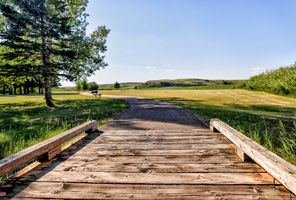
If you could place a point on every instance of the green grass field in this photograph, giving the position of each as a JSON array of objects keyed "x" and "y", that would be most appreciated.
[
  {"x": 26, "y": 120},
  {"x": 266, "y": 118}
]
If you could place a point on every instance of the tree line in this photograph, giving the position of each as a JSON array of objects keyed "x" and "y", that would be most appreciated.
[
  {"x": 44, "y": 41},
  {"x": 84, "y": 85}
]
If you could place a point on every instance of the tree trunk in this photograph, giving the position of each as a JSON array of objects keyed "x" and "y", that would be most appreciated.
[
  {"x": 20, "y": 90},
  {"x": 45, "y": 62},
  {"x": 14, "y": 89},
  {"x": 4, "y": 90},
  {"x": 32, "y": 90},
  {"x": 47, "y": 88},
  {"x": 10, "y": 91}
]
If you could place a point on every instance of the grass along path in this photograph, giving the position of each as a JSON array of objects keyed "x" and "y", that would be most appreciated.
[
  {"x": 26, "y": 120},
  {"x": 266, "y": 118}
]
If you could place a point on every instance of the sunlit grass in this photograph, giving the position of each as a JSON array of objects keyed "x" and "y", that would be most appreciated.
[{"x": 26, "y": 120}]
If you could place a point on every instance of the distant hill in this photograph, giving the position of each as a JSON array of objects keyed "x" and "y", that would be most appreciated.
[
  {"x": 171, "y": 83},
  {"x": 186, "y": 83},
  {"x": 125, "y": 85}
]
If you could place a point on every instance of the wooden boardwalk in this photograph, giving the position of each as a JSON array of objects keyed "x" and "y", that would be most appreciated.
[{"x": 152, "y": 151}]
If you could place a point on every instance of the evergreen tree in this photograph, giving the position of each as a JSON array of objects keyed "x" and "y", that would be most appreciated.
[
  {"x": 116, "y": 85},
  {"x": 47, "y": 38}
]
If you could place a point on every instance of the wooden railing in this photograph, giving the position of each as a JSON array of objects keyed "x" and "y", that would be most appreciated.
[
  {"x": 281, "y": 170},
  {"x": 45, "y": 150}
]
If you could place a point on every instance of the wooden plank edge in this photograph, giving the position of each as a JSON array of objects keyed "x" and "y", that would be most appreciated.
[
  {"x": 12, "y": 162},
  {"x": 76, "y": 142},
  {"x": 280, "y": 169}
]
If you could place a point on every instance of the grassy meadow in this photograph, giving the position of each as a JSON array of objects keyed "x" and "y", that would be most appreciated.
[
  {"x": 26, "y": 120},
  {"x": 266, "y": 118}
]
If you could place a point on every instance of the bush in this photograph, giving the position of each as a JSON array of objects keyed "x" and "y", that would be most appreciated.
[
  {"x": 93, "y": 86},
  {"x": 281, "y": 81}
]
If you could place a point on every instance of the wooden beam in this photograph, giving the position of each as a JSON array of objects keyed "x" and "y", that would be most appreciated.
[
  {"x": 12, "y": 162},
  {"x": 50, "y": 155},
  {"x": 277, "y": 167}
]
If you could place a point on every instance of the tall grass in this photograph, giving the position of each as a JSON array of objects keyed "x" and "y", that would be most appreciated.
[{"x": 281, "y": 140}]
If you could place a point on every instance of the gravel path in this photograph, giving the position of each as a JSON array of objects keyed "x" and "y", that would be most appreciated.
[{"x": 147, "y": 114}]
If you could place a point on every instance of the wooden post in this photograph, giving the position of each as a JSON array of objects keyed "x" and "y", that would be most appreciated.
[
  {"x": 242, "y": 155},
  {"x": 92, "y": 130},
  {"x": 212, "y": 127},
  {"x": 238, "y": 151},
  {"x": 50, "y": 155}
]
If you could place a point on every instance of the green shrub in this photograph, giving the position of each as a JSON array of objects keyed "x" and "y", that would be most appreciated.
[{"x": 281, "y": 81}]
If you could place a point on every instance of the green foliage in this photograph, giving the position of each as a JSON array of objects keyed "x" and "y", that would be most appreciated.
[
  {"x": 281, "y": 81},
  {"x": 78, "y": 85},
  {"x": 84, "y": 85},
  {"x": 46, "y": 39},
  {"x": 93, "y": 86},
  {"x": 116, "y": 85}
]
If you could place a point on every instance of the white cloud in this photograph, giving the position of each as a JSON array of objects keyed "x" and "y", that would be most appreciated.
[
  {"x": 150, "y": 67},
  {"x": 170, "y": 70},
  {"x": 257, "y": 70}
]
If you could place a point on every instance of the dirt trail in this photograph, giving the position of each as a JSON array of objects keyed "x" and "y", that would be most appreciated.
[{"x": 147, "y": 114}]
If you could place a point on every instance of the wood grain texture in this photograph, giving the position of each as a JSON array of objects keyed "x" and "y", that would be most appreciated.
[
  {"x": 156, "y": 178},
  {"x": 122, "y": 191},
  {"x": 280, "y": 169}
]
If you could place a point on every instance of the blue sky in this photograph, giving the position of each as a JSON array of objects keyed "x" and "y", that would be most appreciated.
[{"x": 212, "y": 39}]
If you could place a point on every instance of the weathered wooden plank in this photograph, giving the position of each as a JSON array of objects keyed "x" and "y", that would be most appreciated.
[
  {"x": 12, "y": 162},
  {"x": 156, "y": 167},
  {"x": 149, "y": 134},
  {"x": 154, "y": 159},
  {"x": 157, "y": 178},
  {"x": 146, "y": 146},
  {"x": 135, "y": 152},
  {"x": 120, "y": 191},
  {"x": 164, "y": 141},
  {"x": 158, "y": 137},
  {"x": 280, "y": 169}
]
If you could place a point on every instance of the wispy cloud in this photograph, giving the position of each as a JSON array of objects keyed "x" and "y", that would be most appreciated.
[
  {"x": 170, "y": 70},
  {"x": 150, "y": 67}
]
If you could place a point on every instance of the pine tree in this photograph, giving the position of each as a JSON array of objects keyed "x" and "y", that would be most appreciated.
[
  {"x": 47, "y": 38},
  {"x": 116, "y": 85}
]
